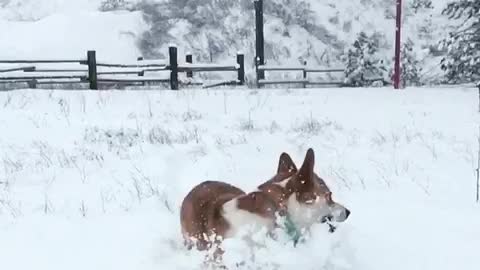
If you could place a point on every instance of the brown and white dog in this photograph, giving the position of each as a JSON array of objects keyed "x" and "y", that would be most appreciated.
[{"x": 214, "y": 210}]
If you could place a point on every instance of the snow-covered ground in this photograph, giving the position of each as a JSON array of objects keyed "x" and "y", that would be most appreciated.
[{"x": 94, "y": 180}]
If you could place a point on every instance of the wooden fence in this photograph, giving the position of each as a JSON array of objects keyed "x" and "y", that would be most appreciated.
[
  {"x": 95, "y": 73},
  {"x": 304, "y": 81}
]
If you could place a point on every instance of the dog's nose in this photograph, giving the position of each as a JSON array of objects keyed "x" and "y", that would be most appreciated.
[{"x": 347, "y": 213}]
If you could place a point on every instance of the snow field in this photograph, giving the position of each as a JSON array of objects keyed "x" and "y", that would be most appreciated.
[{"x": 94, "y": 180}]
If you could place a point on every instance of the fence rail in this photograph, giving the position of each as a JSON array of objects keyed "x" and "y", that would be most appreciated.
[
  {"x": 304, "y": 81},
  {"x": 99, "y": 73},
  {"x": 35, "y": 69},
  {"x": 38, "y": 61},
  {"x": 26, "y": 69},
  {"x": 261, "y": 69},
  {"x": 42, "y": 77}
]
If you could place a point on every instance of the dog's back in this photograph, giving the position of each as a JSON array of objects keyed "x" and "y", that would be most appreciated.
[{"x": 200, "y": 214}]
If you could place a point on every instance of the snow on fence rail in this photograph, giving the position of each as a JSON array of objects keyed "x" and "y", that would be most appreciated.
[
  {"x": 305, "y": 69},
  {"x": 260, "y": 71},
  {"x": 17, "y": 69},
  {"x": 93, "y": 73},
  {"x": 23, "y": 73}
]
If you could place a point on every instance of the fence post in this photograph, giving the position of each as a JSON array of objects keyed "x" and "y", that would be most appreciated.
[
  {"x": 241, "y": 68},
  {"x": 142, "y": 72},
  {"x": 257, "y": 79},
  {"x": 92, "y": 69},
  {"x": 259, "y": 38},
  {"x": 305, "y": 74},
  {"x": 189, "y": 59},
  {"x": 172, "y": 54},
  {"x": 32, "y": 84}
]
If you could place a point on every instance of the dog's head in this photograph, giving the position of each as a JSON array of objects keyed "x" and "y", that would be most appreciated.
[{"x": 306, "y": 195}]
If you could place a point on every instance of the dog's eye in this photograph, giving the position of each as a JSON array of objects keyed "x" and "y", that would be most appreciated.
[{"x": 328, "y": 196}]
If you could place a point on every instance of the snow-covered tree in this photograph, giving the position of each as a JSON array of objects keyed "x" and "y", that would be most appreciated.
[
  {"x": 417, "y": 12},
  {"x": 363, "y": 61},
  {"x": 204, "y": 24},
  {"x": 418, "y": 5},
  {"x": 109, "y": 5},
  {"x": 291, "y": 12},
  {"x": 216, "y": 28},
  {"x": 462, "y": 62},
  {"x": 410, "y": 65}
]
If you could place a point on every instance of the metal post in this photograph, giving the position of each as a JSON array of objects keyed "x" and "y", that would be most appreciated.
[
  {"x": 478, "y": 169},
  {"x": 398, "y": 31},
  {"x": 478, "y": 153}
]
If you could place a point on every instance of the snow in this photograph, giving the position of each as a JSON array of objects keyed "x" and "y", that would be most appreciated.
[
  {"x": 33, "y": 10},
  {"x": 70, "y": 34},
  {"x": 95, "y": 179}
]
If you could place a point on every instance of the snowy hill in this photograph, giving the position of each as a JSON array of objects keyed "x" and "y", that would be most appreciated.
[
  {"x": 94, "y": 180},
  {"x": 320, "y": 32},
  {"x": 42, "y": 29}
]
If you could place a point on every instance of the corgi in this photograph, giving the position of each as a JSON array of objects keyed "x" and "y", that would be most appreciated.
[{"x": 215, "y": 210}]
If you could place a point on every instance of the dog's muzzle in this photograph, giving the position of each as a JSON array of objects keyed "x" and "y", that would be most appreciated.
[{"x": 328, "y": 219}]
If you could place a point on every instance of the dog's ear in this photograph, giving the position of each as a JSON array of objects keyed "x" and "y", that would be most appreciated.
[
  {"x": 285, "y": 164},
  {"x": 306, "y": 171}
]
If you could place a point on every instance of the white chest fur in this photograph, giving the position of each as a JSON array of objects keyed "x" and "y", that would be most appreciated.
[{"x": 242, "y": 221}]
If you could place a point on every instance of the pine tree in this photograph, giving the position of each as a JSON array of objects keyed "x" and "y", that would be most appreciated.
[
  {"x": 410, "y": 65},
  {"x": 462, "y": 62},
  {"x": 363, "y": 63},
  {"x": 418, "y": 5}
]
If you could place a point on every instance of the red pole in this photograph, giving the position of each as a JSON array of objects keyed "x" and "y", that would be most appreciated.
[{"x": 398, "y": 31}]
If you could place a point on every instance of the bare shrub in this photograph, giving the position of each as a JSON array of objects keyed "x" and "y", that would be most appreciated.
[
  {"x": 247, "y": 125},
  {"x": 188, "y": 135},
  {"x": 191, "y": 116},
  {"x": 274, "y": 127},
  {"x": 115, "y": 139},
  {"x": 158, "y": 135},
  {"x": 312, "y": 126}
]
